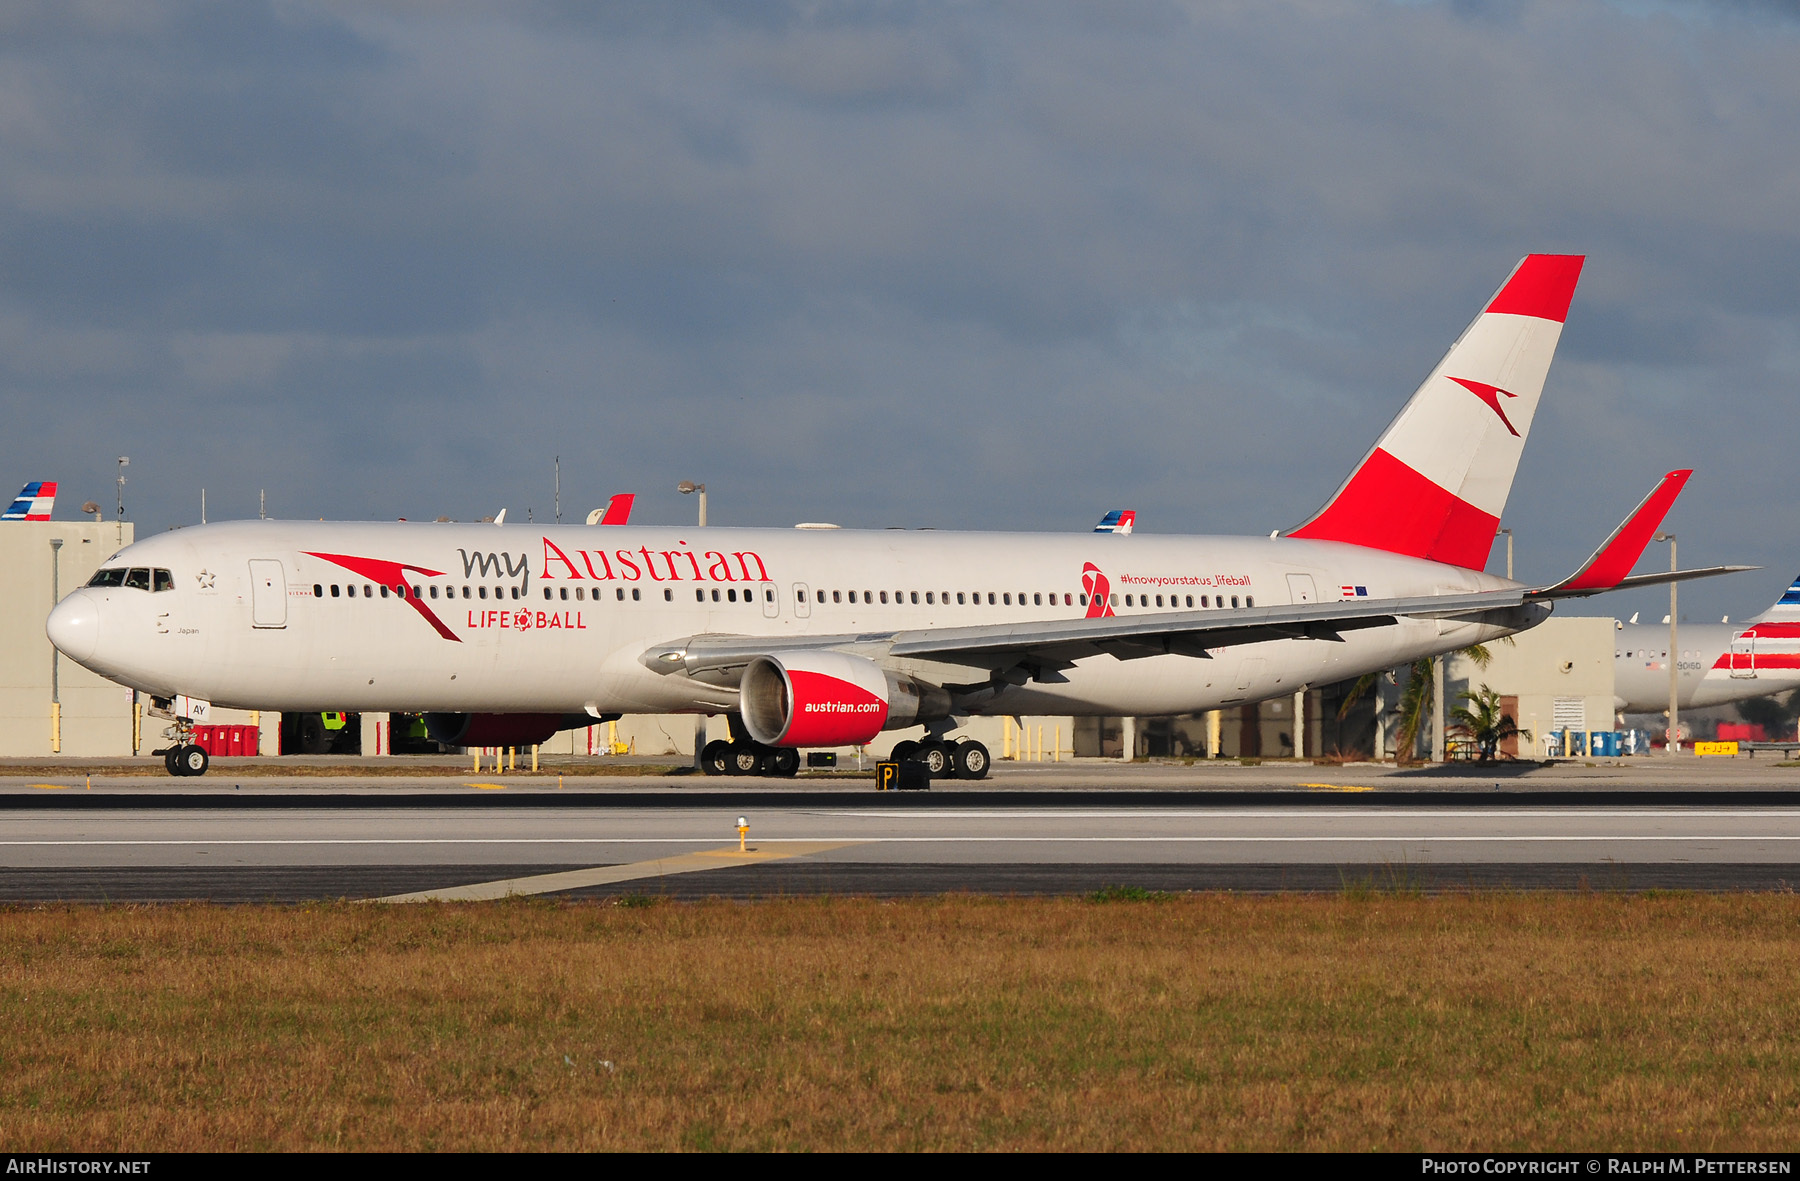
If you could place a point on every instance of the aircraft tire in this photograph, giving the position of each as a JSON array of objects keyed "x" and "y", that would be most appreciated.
[
  {"x": 971, "y": 759},
  {"x": 939, "y": 759},
  {"x": 169, "y": 760},
  {"x": 782, "y": 763},
  {"x": 743, "y": 758},
  {"x": 715, "y": 757},
  {"x": 903, "y": 751},
  {"x": 192, "y": 760}
]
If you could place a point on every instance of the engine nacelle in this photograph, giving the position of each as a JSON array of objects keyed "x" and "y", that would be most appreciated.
[
  {"x": 830, "y": 699},
  {"x": 494, "y": 729}
]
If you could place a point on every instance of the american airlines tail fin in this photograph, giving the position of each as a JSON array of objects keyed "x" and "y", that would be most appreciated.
[
  {"x": 1435, "y": 483},
  {"x": 1120, "y": 520},
  {"x": 34, "y": 502},
  {"x": 1786, "y": 608}
]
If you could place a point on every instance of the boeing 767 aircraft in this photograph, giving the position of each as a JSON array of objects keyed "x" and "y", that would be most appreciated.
[{"x": 504, "y": 634}]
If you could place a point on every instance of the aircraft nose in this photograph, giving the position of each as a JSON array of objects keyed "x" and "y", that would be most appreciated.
[{"x": 74, "y": 626}]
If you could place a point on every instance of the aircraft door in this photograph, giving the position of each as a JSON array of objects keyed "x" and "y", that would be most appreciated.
[
  {"x": 1301, "y": 589},
  {"x": 802, "y": 600},
  {"x": 268, "y": 593},
  {"x": 771, "y": 601},
  {"x": 1743, "y": 657}
]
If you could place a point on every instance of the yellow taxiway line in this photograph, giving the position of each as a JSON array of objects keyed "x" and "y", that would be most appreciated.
[{"x": 606, "y": 875}]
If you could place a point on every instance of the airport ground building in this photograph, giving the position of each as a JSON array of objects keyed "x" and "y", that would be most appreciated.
[{"x": 1556, "y": 677}]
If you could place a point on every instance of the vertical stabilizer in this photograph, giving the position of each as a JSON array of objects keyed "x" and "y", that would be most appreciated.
[
  {"x": 1437, "y": 480},
  {"x": 34, "y": 502},
  {"x": 1786, "y": 608}
]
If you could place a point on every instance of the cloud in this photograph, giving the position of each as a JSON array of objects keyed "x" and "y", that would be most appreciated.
[{"x": 912, "y": 264}]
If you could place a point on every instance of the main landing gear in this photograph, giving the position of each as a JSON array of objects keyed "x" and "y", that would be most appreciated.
[
  {"x": 744, "y": 757},
  {"x": 965, "y": 759},
  {"x": 186, "y": 759}
]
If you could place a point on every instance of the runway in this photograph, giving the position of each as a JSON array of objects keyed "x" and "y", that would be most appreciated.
[{"x": 319, "y": 847}]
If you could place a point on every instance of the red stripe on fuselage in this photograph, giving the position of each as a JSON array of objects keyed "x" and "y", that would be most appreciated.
[{"x": 1388, "y": 506}]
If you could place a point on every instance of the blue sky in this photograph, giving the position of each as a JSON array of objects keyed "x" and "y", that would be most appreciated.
[{"x": 997, "y": 266}]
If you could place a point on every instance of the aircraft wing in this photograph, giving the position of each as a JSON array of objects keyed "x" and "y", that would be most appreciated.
[
  {"x": 1036, "y": 650},
  {"x": 1039, "y": 648}
]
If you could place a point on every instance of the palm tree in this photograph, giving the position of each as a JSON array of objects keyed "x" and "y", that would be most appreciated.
[
  {"x": 1482, "y": 721},
  {"x": 1415, "y": 700}
]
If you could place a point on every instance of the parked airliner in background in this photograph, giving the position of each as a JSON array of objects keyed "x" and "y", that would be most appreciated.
[
  {"x": 502, "y": 635},
  {"x": 1718, "y": 662},
  {"x": 34, "y": 502}
]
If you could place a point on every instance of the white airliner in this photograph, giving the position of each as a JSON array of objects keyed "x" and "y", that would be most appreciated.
[
  {"x": 504, "y": 634},
  {"x": 1718, "y": 662}
]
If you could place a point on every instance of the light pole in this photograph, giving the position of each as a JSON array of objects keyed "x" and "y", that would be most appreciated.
[
  {"x": 1674, "y": 742},
  {"x": 1508, "y": 533},
  {"x": 124, "y": 462},
  {"x": 56, "y": 544},
  {"x": 687, "y": 486}
]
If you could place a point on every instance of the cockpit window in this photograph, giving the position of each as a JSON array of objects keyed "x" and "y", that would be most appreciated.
[
  {"x": 162, "y": 580},
  {"x": 137, "y": 578},
  {"x": 114, "y": 577}
]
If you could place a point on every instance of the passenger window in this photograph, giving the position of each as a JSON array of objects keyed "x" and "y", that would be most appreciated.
[
  {"x": 769, "y": 594},
  {"x": 1069, "y": 599},
  {"x": 884, "y": 597},
  {"x": 1083, "y": 599},
  {"x": 481, "y": 592},
  {"x": 836, "y": 596},
  {"x": 334, "y": 590},
  {"x": 931, "y": 597},
  {"x": 868, "y": 596},
  {"x": 635, "y": 595},
  {"x": 137, "y": 578},
  {"x": 384, "y": 590},
  {"x": 731, "y": 595},
  {"x": 699, "y": 594},
  {"x": 1249, "y": 600},
  {"x": 1190, "y": 600},
  {"x": 418, "y": 591},
  {"x": 1115, "y": 600},
  {"x": 959, "y": 597},
  {"x": 619, "y": 593},
  {"x": 1037, "y": 600},
  {"x": 581, "y": 594},
  {"x": 1159, "y": 600},
  {"x": 1234, "y": 600},
  {"x": 990, "y": 598},
  {"x": 915, "y": 598},
  {"x": 800, "y": 596},
  {"x": 164, "y": 581},
  {"x": 1008, "y": 598},
  {"x": 668, "y": 595}
]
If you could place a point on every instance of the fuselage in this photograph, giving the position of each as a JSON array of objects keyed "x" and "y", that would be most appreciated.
[
  {"x": 1715, "y": 663},
  {"x": 520, "y": 618}
]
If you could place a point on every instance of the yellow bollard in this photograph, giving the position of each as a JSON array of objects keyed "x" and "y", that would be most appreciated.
[
  {"x": 1056, "y": 756},
  {"x": 534, "y": 758},
  {"x": 512, "y": 758},
  {"x": 1040, "y": 748},
  {"x": 477, "y": 753},
  {"x": 56, "y": 727},
  {"x": 743, "y": 832}
]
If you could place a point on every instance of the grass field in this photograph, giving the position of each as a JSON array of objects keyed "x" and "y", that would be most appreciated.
[{"x": 1205, "y": 1021}]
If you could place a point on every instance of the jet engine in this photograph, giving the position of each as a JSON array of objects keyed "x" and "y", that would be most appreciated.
[
  {"x": 498, "y": 729},
  {"x": 831, "y": 699}
]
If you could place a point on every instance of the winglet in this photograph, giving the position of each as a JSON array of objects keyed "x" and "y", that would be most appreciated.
[{"x": 1613, "y": 561}]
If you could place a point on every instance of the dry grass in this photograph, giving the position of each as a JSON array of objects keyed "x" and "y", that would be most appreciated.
[{"x": 1378, "y": 1021}]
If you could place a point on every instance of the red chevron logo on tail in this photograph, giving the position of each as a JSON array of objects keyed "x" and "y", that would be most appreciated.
[{"x": 1491, "y": 395}]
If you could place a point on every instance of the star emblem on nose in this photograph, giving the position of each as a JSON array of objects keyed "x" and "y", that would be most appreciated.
[{"x": 205, "y": 579}]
